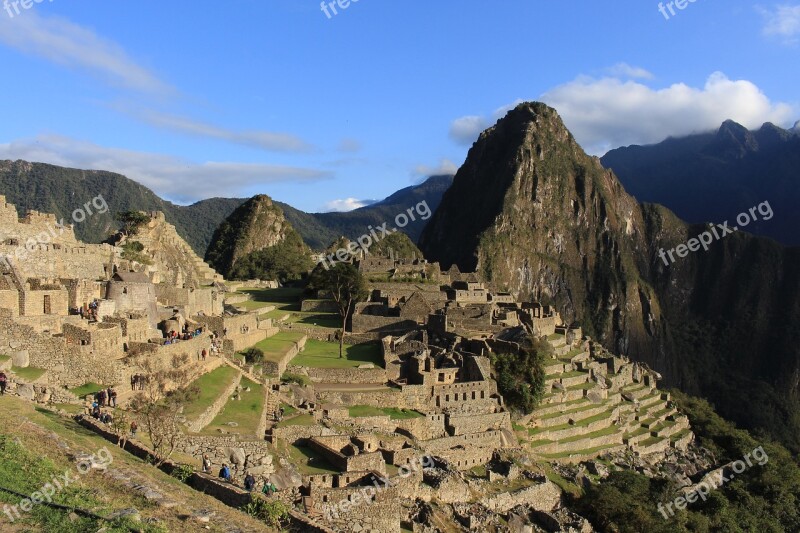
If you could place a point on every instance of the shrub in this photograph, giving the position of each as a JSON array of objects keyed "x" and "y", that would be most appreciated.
[
  {"x": 520, "y": 378},
  {"x": 274, "y": 513},
  {"x": 182, "y": 473},
  {"x": 253, "y": 356}
]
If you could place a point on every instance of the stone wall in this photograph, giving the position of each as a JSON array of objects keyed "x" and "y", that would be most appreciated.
[
  {"x": 462, "y": 425},
  {"x": 545, "y": 496},
  {"x": 319, "y": 306},
  {"x": 255, "y": 455},
  {"x": 66, "y": 365},
  {"x": 371, "y": 376},
  {"x": 213, "y": 410},
  {"x": 384, "y": 325}
]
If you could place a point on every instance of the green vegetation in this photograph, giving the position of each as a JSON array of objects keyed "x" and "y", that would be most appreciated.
[
  {"x": 30, "y": 373},
  {"x": 295, "y": 378},
  {"x": 346, "y": 285},
  {"x": 26, "y": 472},
  {"x": 308, "y": 461},
  {"x": 245, "y": 412},
  {"x": 301, "y": 420},
  {"x": 521, "y": 378},
  {"x": 132, "y": 251},
  {"x": 272, "y": 512},
  {"x": 210, "y": 387},
  {"x": 4, "y": 358},
  {"x": 319, "y": 354},
  {"x": 131, "y": 221},
  {"x": 182, "y": 473},
  {"x": 763, "y": 498},
  {"x": 87, "y": 388},
  {"x": 288, "y": 261},
  {"x": 398, "y": 243},
  {"x": 276, "y": 347},
  {"x": 237, "y": 248},
  {"x": 358, "y": 411}
]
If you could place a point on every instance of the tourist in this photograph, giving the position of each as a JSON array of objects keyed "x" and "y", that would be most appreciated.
[
  {"x": 113, "y": 395},
  {"x": 134, "y": 379},
  {"x": 108, "y": 396},
  {"x": 134, "y": 428},
  {"x": 206, "y": 464},
  {"x": 268, "y": 489},
  {"x": 101, "y": 398},
  {"x": 249, "y": 482},
  {"x": 204, "y": 353},
  {"x": 3, "y": 383},
  {"x": 225, "y": 473}
]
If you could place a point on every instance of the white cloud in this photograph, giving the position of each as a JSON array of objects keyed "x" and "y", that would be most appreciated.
[
  {"x": 607, "y": 113},
  {"x": 264, "y": 140},
  {"x": 67, "y": 44},
  {"x": 177, "y": 179},
  {"x": 445, "y": 166},
  {"x": 624, "y": 70},
  {"x": 465, "y": 130},
  {"x": 783, "y": 21},
  {"x": 347, "y": 204}
]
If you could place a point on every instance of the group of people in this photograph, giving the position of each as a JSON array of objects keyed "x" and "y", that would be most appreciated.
[
  {"x": 277, "y": 415},
  {"x": 88, "y": 312},
  {"x": 187, "y": 334},
  {"x": 268, "y": 488},
  {"x": 138, "y": 381},
  {"x": 106, "y": 397}
]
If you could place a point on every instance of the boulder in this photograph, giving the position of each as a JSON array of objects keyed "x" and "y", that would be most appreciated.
[
  {"x": 25, "y": 391},
  {"x": 236, "y": 456}
]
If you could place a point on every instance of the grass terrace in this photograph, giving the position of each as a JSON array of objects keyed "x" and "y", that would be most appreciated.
[
  {"x": 319, "y": 354},
  {"x": 30, "y": 373},
  {"x": 278, "y": 345},
  {"x": 87, "y": 388},
  {"x": 359, "y": 411},
  {"x": 309, "y": 462},
  {"x": 301, "y": 420},
  {"x": 211, "y": 387},
  {"x": 245, "y": 413}
]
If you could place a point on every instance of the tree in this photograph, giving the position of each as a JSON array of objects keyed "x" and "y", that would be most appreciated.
[
  {"x": 521, "y": 377},
  {"x": 347, "y": 287},
  {"x": 158, "y": 407},
  {"x": 131, "y": 220}
]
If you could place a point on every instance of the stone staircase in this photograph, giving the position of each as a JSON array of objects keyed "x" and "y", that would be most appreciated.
[{"x": 589, "y": 410}]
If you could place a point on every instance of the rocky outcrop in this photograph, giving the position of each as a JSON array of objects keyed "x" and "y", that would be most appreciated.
[{"x": 540, "y": 218}]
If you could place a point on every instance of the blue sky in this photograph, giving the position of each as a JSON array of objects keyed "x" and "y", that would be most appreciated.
[{"x": 198, "y": 99}]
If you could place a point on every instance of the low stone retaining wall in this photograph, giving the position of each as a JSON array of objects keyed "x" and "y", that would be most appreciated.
[
  {"x": 277, "y": 368},
  {"x": 319, "y": 306},
  {"x": 366, "y": 376},
  {"x": 543, "y": 497},
  {"x": 224, "y": 492},
  {"x": 294, "y": 434},
  {"x": 209, "y": 414}
]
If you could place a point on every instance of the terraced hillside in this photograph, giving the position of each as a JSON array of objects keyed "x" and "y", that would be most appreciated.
[{"x": 597, "y": 403}]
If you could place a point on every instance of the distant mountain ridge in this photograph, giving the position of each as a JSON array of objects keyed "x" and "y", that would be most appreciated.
[
  {"x": 60, "y": 190},
  {"x": 712, "y": 177}
]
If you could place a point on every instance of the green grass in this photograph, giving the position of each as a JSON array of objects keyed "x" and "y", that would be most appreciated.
[
  {"x": 302, "y": 420},
  {"x": 288, "y": 410},
  {"x": 30, "y": 373},
  {"x": 211, "y": 386},
  {"x": 277, "y": 346},
  {"x": 4, "y": 358},
  {"x": 570, "y": 412},
  {"x": 284, "y": 298},
  {"x": 599, "y": 433},
  {"x": 245, "y": 412},
  {"x": 319, "y": 354},
  {"x": 588, "y": 451},
  {"x": 563, "y": 484},
  {"x": 309, "y": 462},
  {"x": 358, "y": 411},
  {"x": 87, "y": 388}
]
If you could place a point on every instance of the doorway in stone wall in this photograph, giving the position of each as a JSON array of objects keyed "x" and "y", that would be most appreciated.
[{"x": 47, "y": 305}]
